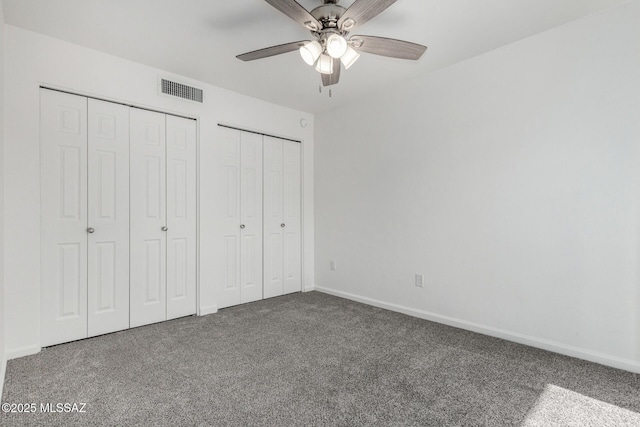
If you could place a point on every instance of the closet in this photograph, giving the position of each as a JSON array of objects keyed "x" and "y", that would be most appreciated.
[
  {"x": 258, "y": 236},
  {"x": 118, "y": 217}
]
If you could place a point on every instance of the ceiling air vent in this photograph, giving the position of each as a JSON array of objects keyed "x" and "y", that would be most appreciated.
[{"x": 181, "y": 90}]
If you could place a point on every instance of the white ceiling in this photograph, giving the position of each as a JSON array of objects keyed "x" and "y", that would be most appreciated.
[{"x": 200, "y": 38}]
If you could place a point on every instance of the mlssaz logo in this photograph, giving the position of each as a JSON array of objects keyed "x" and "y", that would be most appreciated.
[{"x": 63, "y": 407}]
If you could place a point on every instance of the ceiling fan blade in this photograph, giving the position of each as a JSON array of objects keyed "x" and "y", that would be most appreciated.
[
  {"x": 271, "y": 51},
  {"x": 295, "y": 11},
  {"x": 333, "y": 78},
  {"x": 388, "y": 47},
  {"x": 362, "y": 11}
]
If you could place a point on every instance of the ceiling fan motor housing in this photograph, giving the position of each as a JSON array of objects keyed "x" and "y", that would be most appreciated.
[{"x": 328, "y": 14}]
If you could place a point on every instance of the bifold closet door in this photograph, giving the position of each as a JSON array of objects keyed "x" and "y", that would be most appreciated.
[
  {"x": 250, "y": 217},
  {"x": 108, "y": 217},
  {"x": 240, "y": 202},
  {"x": 118, "y": 209},
  {"x": 282, "y": 222},
  {"x": 148, "y": 222},
  {"x": 273, "y": 218},
  {"x": 163, "y": 217},
  {"x": 292, "y": 213},
  {"x": 85, "y": 217},
  {"x": 181, "y": 217},
  {"x": 63, "y": 135}
]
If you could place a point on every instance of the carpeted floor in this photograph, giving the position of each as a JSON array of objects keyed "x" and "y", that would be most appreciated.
[{"x": 314, "y": 359}]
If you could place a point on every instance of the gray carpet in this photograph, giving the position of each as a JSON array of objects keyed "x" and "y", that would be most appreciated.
[{"x": 313, "y": 359}]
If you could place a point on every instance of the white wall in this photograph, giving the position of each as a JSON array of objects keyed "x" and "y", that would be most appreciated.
[
  {"x": 2, "y": 321},
  {"x": 511, "y": 181},
  {"x": 33, "y": 60}
]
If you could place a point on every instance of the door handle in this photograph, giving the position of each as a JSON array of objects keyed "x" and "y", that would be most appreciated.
[
  {"x": 242, "y": 226},
  {"x": 282, "y": 225},
  {"x": 165, "y": 228},
  {"x": 90, "y": 230}
]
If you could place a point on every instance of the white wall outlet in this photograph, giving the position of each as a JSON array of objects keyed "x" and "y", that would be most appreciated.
[
  {"x": 419, "y": 280},
  {"x": 332, "y": 265}
]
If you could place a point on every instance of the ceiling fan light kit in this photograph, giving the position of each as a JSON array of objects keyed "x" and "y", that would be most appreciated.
[
  {"x": 349, "y": 58},
  {"x": 330, "y": 25},
  {"x": 325, "y": 65},
  {"x": 336, "y": 46},
  {"x": 310, "y": 52}
]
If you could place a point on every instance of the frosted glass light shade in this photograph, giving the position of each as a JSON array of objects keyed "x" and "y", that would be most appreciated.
[
  {"x": 336, "y": 46},
  {"x": 349, "y": 58},
  {"x": 310, "y": 52},
  {"x": 325, "y": 65}
]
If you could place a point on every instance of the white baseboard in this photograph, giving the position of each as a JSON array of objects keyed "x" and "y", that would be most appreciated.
[
  {"x": 309, "y": 288},
  {"x": 212, "y": 309},
  {"x": 21, "y": 352},
  {"x": 556, "y": 347}
]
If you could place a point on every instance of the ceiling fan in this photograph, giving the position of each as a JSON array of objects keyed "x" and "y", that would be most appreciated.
[{"x": 330, "y": 25}]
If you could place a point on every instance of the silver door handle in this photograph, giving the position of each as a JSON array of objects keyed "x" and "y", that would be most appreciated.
[
  {"x": 242, "y": 226},
  {"x": 165, "y": 228},
  {"x": 90, "y": 230},
  {"x": 282, "y": 225}
]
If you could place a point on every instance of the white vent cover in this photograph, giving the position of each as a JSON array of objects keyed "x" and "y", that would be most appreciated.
[{"x": 181, "y": 90}]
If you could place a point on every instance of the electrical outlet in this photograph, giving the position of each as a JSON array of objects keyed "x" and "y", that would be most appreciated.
[
  {"x": 420, "y": 280},
  {"x": 332, "y": 265}
]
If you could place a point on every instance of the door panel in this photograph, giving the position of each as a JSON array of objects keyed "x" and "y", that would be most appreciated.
[
  {"x": 181, "y": 217},
  {"x": 232, "y": 264},
  {"x": 251, "y": 217},
  {"x": 179, "y": 261},
  {"x": 148, "y": 217},
  {"x": 292, "y": 205},
  {"x": 108, "y": 215},
  {"x": 227, "y": 260},
  {"x": 71, "y": 281},
  {"x": 273, "y": 231},
  {"x": 106, "y": 283},
  {"x": 63, "y": 134},
  {"x": 153, "y": 265}
]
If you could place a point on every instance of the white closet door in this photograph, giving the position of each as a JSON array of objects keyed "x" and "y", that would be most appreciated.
[
  {"x": 292, "y": 218},
  {"x": 108, "y": 217},
  {"x": 273, "y": 217},
  {"x": 148, "y": 217},
  {"x": 227, "y": 258},
  {"x": 63, "y": 135},
  {"x": 250, "y": 217},
  {"x": 181, "y": 217}
]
